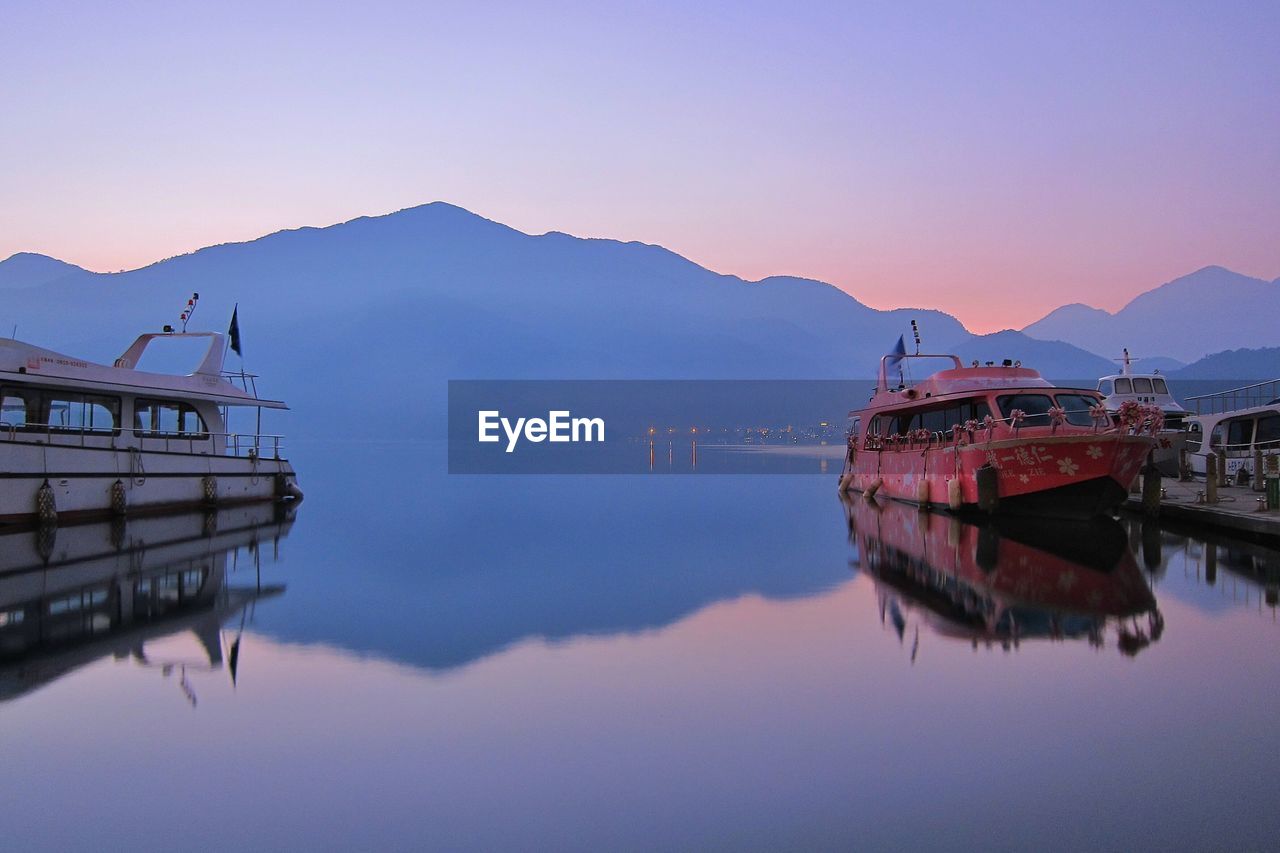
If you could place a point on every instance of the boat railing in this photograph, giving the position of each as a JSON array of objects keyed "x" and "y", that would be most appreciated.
[
  {"x": 247, "y": 445},
  {"x": 1244, "y": 397},
  {"x": 923, "y": 439}
]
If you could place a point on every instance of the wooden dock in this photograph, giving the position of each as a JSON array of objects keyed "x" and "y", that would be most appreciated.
[{"x": 1236, "y": 511}]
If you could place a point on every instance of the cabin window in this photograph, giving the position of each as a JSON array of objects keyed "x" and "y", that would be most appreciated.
[
  {"x": 1195, "y": 437},
  {"x": 19, "y": 406},
  {"x": 59, "y": 410},
  {"x": 1161, "y": 387},
  {"x": 81, "y": 413},
  {"x": 940, "y": 419},
  {"x": 168, "y": 418},
  {"x": 1124, "y": 386},
  {"x": 1141, "y": 385},
  {"x": 1036, "y": 407},
  {"x": 1240, "y": 434},
  {"x": 1105, "y": 387},
  {"x": 1077, "y": 407},
  {"x": 1268, "y": 436}
]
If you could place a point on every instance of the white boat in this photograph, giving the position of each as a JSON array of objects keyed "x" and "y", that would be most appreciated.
[
  {"x": 1148, "y": 389},
  {"x": 80, "y": 440},
  {"x": 1239, "y": 423}
]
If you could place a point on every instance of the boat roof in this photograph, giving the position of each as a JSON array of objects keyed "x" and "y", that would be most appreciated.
[
  {"x": 956, "y": 381},
  {"x": 26, "y": 363}
]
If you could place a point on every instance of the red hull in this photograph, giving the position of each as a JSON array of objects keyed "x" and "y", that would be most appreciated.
[{"x": 1037, "y": 472}]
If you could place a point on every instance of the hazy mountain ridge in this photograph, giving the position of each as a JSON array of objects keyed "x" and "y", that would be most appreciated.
[
  {"x": 1243, "y": 365},
  {"x": 28, "y": 269},
  {"x": 1186, "y": 318},
  {"x": 374, "y": 313}
]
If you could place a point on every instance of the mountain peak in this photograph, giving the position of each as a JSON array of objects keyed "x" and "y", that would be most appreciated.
[{"x": 29, "y": 269}]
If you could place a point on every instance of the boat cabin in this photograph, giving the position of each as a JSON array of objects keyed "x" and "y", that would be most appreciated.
[
  {"x": 1148, "y": 389},
  {"x": 965, "y": 397},
  {"x": 49, "y": 398}
]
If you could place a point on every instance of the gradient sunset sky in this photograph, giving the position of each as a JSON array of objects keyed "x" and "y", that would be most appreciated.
[{"x": 994, "y": 160}]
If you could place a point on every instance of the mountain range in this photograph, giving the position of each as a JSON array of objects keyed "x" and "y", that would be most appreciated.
[
  {"x": 1186, "y": 319},
  {"x": 364, "y": 320}
]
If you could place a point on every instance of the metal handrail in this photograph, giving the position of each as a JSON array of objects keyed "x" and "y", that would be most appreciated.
[
  {"x": 234, "y": 444},
  {"x": 1248, "y": 395}
]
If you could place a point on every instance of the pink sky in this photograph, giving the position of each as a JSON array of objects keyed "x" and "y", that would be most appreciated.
[{"x": 990, "y": 160}]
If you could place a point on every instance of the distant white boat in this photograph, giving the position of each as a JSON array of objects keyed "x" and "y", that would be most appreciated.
[
  {"x": 80, "y": 440},
  {"x": 1148, "y": 389}
]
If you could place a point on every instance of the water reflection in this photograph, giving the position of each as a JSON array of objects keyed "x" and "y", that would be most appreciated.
[
  {"x": 1001, "y": 584},
  {"x": 1244, "y": 572},
  {"x": 74, "y": 595}
]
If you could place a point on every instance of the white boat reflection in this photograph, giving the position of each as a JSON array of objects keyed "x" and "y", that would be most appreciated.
[
  {"x": 72, "y": 596},
  {"x": 1001, "y": 584}
]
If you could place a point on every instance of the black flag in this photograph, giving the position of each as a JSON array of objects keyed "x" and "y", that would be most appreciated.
[
  {"x": 235, "y": 659},
  {"x": 234, "y": 331}
]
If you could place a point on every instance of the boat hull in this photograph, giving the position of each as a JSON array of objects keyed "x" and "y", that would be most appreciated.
[
  {"x": 1077, "y": 475},
  {"x": 83, "y": 481}
]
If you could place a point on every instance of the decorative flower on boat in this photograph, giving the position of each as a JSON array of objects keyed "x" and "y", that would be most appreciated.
[
  {"x": 1130, "y": 414},
  {"x": 1094, "y": 452},
  {"x": 1057, "y": 415},
  {"x": 1099, "y": 415},
  {"x": 1068, "y": 466}
]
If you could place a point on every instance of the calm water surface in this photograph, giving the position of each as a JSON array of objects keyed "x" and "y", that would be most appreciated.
[{"x": 638, "y": 662}]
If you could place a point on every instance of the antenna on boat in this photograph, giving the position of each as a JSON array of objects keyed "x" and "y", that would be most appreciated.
[
  {"x": 185, "y": 316},
  {"x": 915, "y": 331}
]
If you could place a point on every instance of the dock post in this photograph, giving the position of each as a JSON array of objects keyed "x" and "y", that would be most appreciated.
[
  {"x": 1211, "y": 478},
  {"x": 1257, "y": 482},
  {"x": 1222, "y": 466},
  {"x": 988, "y": 488},
  {"x": 1150, "y": 489},
  {"x": 1184, "y": 465}
]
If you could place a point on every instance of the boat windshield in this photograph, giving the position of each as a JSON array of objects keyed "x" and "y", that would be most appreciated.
[
  {"x": 1077, "y": 407},
  {"x": 1124, "y": 386},
  {"x": 1036, "y": 407},
  {"x": 1161, "y": 387},
  {"x": 1105, "y": 386},
  {"x": 1141, "y": 385}
]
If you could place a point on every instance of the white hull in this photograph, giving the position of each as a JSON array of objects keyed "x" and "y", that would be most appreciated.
[{"x": 83, "y": 480}]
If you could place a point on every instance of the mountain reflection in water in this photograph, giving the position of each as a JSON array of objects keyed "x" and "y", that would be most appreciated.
[
  {"x": 72, "y": 596},
  {"x": 1003, "y": 582}
]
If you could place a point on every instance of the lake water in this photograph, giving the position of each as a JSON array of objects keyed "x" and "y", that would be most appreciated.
[{"x": 635, "y": 662}]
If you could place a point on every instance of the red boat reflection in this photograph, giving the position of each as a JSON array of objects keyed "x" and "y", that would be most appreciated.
[{"x": 1004, "y": 581}]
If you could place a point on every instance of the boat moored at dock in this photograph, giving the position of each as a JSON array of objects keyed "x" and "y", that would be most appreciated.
[
  {"x": 996, "y": 438},
  {"x": 1151, "y": 390},
  {"x": 80, "y": 440},
  {"x": 1238, "y": 425}
]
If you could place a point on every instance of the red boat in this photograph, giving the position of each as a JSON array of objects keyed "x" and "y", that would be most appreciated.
[{"x": 996, "y": 438}]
